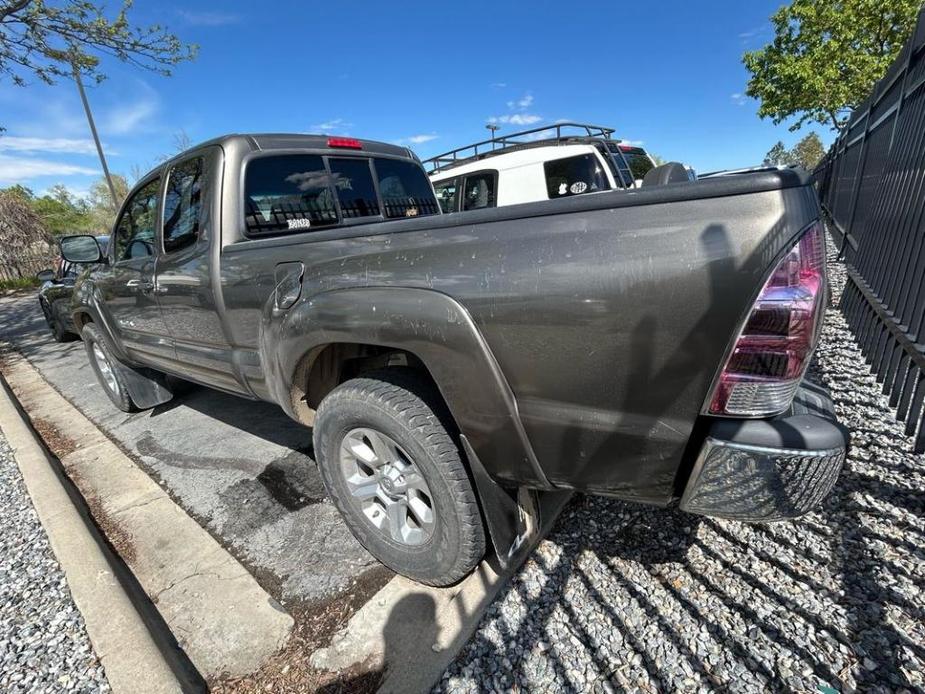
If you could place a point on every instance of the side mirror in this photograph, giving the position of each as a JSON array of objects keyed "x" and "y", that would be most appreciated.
[
  {"x": 80, "y": 249},
  {"x": 45, "y": 276}
]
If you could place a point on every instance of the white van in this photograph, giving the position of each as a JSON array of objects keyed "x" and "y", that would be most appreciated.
[{"x": 539, "y": 164}]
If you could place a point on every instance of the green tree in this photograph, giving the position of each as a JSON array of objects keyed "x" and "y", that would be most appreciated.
[
  {"x": 826, "y": 56},
  {"x": 808, "y": 152},
  {"x": 62, "y": 213},
  {"x": 102, "y": 208},
  {"x": 48, "y": 41},
  {"x": 778, "y": 155}
]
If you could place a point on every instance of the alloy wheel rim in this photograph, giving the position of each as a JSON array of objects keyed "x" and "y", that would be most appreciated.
[
  {"x": 106, "y": 370},
  {"x": 387, "y": 486}
]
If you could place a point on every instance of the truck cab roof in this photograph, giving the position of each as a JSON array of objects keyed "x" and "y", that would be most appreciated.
[{"x": 288, "y": 141}]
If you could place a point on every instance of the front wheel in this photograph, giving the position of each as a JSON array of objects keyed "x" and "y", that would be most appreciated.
[
  {"x": 58, "y": 333},
  {"x": 395, "y": 474},
  {"x": 106, "y": 369}
]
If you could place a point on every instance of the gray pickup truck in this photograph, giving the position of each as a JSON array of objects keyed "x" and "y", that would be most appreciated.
[{"x": 458, "y": 369}]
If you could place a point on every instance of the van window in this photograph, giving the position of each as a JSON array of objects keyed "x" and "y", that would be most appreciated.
[
  {"x": 574, "y": 176},
  {"x": 405, "y": 189},
  {"x": 480, "y": 191},
  {"x": 639, "y": 161},
  {"x": 287, "y": 192},
  {"x": 446, "y": 194},
  {"x": 355, "y": 190}
]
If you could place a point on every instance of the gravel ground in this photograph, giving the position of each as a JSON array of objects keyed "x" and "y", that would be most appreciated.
[
  {"x": 621, "y": 597},
  {"x": 43, "y": 642}
]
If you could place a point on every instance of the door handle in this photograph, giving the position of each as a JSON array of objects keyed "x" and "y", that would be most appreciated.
[{"x": 140, "y": 284}]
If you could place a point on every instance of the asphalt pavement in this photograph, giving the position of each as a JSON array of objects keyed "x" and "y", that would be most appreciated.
[{"x": 243, "y": 469}]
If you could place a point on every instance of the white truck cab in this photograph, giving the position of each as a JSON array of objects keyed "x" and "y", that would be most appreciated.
[{"x": 535, "y": 165}]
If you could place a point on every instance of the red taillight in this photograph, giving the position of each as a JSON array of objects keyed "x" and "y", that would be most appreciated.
[
  {"x": 773, "y": 350},
  {"x": 345, "y": 142}
]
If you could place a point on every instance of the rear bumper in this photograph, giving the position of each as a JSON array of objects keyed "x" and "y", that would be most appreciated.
[{"x": 769, "y": 469}]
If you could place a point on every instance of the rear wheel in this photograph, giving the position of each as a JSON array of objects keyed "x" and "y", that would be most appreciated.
[
  {"x": 106, "y": 368},
  {"x": 394, "y": 472}
]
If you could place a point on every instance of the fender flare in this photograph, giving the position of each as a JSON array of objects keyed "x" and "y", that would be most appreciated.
[{"x": 438, "y": 331}]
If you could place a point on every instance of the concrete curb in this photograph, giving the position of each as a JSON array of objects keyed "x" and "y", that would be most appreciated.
[
  {"x": 412, "y": 632},
  {"x": 222, "y": 619},
  {"x": 119, "y": 635}
]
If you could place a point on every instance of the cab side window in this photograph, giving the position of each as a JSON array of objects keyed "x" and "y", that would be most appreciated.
[
  {"x": 183, "y": 204},
  {"x": 480, "y": 191},
  {"x": 134, "y": 235},
  {"x": 446, "y": 194}
]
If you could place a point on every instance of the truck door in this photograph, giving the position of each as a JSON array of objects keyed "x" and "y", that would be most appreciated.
[
  {"x": 185, "y": 281},
  {"x": 128, "y": 289}
]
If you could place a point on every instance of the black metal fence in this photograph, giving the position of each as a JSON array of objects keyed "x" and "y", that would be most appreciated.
[{"x": 872, "y": 184}]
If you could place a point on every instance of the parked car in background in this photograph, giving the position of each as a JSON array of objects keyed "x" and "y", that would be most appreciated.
[
  {"x": 646, "y": 344},
  {"x": 545, "y": 163},
  {"x": 55, "y": 295}
]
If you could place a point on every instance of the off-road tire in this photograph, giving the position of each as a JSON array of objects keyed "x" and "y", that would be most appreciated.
[
  {"x": 406, "y": 408},
  {"x": 119, "y": 394}
]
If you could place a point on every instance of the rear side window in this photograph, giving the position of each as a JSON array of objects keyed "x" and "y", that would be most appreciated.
[
  {"x": 287, "y": 192},
  {"x": 480, "y": 191},
  {"x": 183, "y": 204},
  {"x": 574, "y": 176},
  {"x": 446, "y": 194},
  {"x": 355, "y": 190},
  {"x": 405, "y": 189}
]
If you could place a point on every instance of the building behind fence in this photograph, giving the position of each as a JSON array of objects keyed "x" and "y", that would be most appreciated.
[{"x": 872, "y": 184}]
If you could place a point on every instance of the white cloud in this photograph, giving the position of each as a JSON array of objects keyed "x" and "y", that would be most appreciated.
[
  {"x": 739, "y": 99},
  {"x": 522, "y": 103},
  {"x": 498, "y": 85},
  {"x": 335, "y": 124},
  {"x": 517, "y": 119},
  {"x": 132, "y": 117},
  {"x": 420, "y": 139},
  {"x": 18, "y": 169},
  {"x": 748, "y": 37},
  {"x": 209, "y": 19},
  {"x": 541, "y": 135},
  {"x": 64, "y": 145}
]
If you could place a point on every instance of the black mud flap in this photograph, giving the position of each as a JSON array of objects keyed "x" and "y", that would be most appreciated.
[
  {"x": 516, "y": 519},
  {"x": 146, "y": 387}
]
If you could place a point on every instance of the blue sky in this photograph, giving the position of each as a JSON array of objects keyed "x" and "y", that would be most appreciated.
[{"x": 667, "y": 74}]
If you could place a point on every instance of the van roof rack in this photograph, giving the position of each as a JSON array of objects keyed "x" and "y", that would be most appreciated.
[{"x": 564, "y": 132}]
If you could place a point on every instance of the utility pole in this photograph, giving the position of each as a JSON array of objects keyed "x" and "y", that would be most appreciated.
[
  {"x": 96, "y": 138},
  {"x": 493, "y": 127}
]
